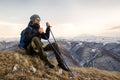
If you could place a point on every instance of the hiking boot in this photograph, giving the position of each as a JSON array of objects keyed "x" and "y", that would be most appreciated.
[
  {"x": 49, "y": 64},
  {"x": 63, "y": 67}
]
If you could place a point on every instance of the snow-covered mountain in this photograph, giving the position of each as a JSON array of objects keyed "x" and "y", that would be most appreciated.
[{"x": 98, "y": 39}]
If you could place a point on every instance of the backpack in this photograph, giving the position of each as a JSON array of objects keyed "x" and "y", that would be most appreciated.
[{"x": 22, "y": 38}]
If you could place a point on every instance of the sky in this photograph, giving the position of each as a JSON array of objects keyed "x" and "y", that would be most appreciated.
[{"x": 69, "y": 18}]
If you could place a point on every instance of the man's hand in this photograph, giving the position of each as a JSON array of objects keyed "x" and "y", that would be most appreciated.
[
  {"x": 48, "y": 25},
  {"x": 41, "y": 30}
]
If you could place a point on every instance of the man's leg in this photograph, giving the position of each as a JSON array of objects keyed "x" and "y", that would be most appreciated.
[
  {"x": 37, "y": 47},
  {"x": 49, "y": 48},
  {"x": 30, "y": 50},
  {"x": 57, "y": 53}
]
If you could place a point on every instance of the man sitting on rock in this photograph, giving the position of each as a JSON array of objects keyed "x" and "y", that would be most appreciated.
[{"x": 31, "y": 41}]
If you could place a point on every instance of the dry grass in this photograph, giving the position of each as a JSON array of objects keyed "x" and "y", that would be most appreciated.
[
  {"x": 24, "y": 62},
  {"x": 95, "y": 74}
]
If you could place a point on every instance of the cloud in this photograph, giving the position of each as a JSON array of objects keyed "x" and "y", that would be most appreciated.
[
  {"x": 8, "y": 29},
  {"x": 114, "y": 28},
  {"x": 70, "y": 17}
]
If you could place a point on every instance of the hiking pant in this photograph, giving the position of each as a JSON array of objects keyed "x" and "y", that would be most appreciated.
[{"x": 36, "y": 46}]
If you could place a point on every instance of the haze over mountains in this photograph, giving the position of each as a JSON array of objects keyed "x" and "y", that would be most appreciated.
[{"x": 83, "y": 37}]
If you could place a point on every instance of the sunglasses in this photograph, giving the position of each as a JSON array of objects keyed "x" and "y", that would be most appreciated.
[{"x": 38, "y": 19}]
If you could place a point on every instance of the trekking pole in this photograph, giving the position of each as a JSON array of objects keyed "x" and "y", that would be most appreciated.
[
  {"x": 71, "y": 73},
  {"x": 53, "y": 35},
  {"x": 61, "y": 55}
]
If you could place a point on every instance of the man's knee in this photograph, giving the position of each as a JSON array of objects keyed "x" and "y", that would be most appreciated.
[
  {"x": 35, "y": 39},
  {"x": 35, "y": 43}
]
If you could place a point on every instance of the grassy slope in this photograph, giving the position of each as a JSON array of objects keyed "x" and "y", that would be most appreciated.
[{"x": 24, "y": 63}]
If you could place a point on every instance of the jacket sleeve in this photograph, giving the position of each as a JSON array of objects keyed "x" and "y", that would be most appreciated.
[
  {"x": 29, "y": 35},
  {"x": 46, "y": 35}
]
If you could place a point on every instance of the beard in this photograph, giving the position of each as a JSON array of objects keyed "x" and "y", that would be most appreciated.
[{"x": 36, "y": 26}]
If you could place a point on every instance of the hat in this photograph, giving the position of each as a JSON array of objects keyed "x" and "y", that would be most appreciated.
[{"x": 35, "y": 17}]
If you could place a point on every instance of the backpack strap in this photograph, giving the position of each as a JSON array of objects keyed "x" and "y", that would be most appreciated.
[{"x": 30, "y": 27}]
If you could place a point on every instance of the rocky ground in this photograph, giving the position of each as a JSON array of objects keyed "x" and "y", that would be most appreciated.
[{"x": 17, "y": 65}]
